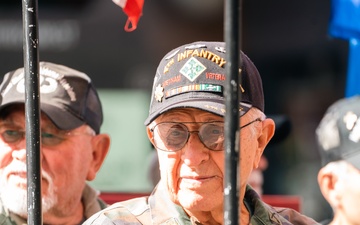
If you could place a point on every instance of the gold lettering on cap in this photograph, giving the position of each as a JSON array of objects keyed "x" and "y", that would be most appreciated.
[
  {"x": 189, "y": 53},
  {"x": 210, "y": 55},
  {"x": 181, "y": 56},
  {"x": 203, "y": 54},
  {"x": 217, "y": 59},
  {"x": 195, "y": 53},
  {"x": 167, "y": 66}
]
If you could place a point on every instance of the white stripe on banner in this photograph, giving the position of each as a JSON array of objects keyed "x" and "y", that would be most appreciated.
[{"x": 120, "y": 3}]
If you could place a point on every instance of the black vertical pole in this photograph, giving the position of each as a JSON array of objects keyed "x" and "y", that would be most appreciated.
[
  {"x": 232, "y": 95},
  {"x": 32, "y": 111}
]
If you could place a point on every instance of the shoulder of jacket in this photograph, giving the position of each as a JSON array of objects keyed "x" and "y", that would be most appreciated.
[
  {"x": 294, "y": 216},
  {"x": 136, "y": 206},
  {"x": 132, "y": 211}
]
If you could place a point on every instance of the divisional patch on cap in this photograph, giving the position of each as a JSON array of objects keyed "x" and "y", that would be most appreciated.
[{"x": 193, "y": 75}]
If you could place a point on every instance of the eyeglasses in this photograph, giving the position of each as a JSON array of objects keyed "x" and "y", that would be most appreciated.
[
  {"x": 173, "y": 136},
  {"x": 11, "y": 135}
]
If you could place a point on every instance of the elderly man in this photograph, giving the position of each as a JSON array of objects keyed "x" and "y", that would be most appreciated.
[
  {"x": 186, "y": 126},
  {"x": 338, "y": 136},
  {"x": 72, "y": 147}
]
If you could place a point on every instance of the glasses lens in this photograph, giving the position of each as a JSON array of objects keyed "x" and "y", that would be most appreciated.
[
  {"x": 170, "y": 136},
  {"x": 50, "y": 139},
  {"x": 212, "y": 135},
  {"x": 11, "y": 136}
]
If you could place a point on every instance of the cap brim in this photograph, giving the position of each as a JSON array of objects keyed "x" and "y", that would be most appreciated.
[
  {"x": 354, "y": 159},
  {"x": 213, "y": 106},
  {"x": 63, "y": 119}
]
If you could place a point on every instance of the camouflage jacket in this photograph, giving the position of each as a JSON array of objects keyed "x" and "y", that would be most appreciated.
[
  {"x": 90, "y": 200},
  {"x": 157, "y": 209}
]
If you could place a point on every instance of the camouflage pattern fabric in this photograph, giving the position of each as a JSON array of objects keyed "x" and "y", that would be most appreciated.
[
  {"x": 157, "y": 209},
  {"x": 262, "y": 213}
]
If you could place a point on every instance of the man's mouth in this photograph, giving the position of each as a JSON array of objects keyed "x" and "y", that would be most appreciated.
[
  {"x": 198, "y": 178},
  {"x": 18, "y": 178},
  {"x": 197, "y": 181}
]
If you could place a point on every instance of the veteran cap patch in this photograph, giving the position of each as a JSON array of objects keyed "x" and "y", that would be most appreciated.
[{"x": 193, "y": 75}]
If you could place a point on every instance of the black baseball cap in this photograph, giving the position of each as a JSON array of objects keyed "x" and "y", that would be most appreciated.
[
  {"x": 338, "y": 133},
  {"x": 193, "y": 75},
  {"x": 67, "y": 96}
]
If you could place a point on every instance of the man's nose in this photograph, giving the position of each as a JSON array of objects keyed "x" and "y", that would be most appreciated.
[
  {"x": 19, "y": 152},
  {"x": 194, "y": 151}
]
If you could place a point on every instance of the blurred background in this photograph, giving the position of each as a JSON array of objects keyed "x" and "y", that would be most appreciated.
[{"x": 303, "y": 70}]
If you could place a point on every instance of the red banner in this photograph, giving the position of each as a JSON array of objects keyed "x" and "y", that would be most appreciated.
[{"x": 133, "y": 9}]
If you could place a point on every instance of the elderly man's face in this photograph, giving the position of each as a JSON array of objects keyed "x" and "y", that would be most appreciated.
[
  {"x": 194, "y": 175},
  {"x": 66, "y": 159}
]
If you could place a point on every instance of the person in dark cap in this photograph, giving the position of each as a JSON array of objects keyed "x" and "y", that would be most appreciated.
[
  {"x": 186, "y": 127},
  {"x": 72, "y": 147},
  {"x": 338, "y": 137}
]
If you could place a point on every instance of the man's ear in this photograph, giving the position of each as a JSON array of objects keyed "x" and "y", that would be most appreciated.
[
  {"x": 265, "y": 135},
  {"x": 327, "y": 183},
  {"x": 100, "y": 147}
]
